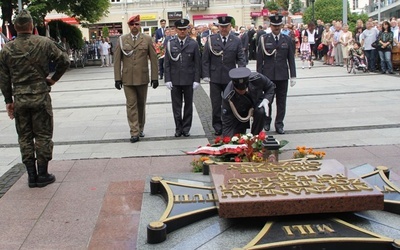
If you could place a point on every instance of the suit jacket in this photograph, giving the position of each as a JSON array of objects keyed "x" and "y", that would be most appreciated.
[
  {"x": 187, "y": 69},
  {"x": 217, "y": 67},
  {"x": 318, "y": 32},
  {"x": 206, "y": 33},
  {"x": 245, "y": 41},
  {"x": 134, "y": 69},
  {"x": 159, "y": 34},
  {"x": 277, "y": 65}
]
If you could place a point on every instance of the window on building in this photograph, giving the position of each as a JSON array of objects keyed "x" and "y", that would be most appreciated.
[{"x": 355, "y": 4}]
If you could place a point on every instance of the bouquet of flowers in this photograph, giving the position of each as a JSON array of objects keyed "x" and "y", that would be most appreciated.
[
  {"x": 238, "y": 148},
  {"x": 160, "y": 50},
  {"x": 303, "y": 152}
]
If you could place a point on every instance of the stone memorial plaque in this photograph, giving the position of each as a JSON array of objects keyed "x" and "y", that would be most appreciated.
[{"x": 291, "y": 187}]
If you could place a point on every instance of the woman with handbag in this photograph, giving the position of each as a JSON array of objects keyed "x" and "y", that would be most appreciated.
[
  {"x": 326, "y": 41},
  {"x": 385, "y": 48}
]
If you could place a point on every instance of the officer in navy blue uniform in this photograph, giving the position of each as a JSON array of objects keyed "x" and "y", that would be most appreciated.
[
  {"x": 246, "y": 96},
  {"x": 182, "y": 75},
  {"x": 222, "y": 52},
  {"x": 275, "y": 59}
]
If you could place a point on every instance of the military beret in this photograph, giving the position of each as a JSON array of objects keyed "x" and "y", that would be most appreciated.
[
  {"x": 23, "y": 17},
  {"x": 276, "y": 19},
  {"x": 182, "y": 24},
  {"x": 224, "y": 20},
  {"x": 134, "y": 19}
]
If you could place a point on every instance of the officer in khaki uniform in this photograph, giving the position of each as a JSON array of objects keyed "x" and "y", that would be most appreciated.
[
  {"x": 24, "y": 82},
  {"x": 131, "y": 71}
]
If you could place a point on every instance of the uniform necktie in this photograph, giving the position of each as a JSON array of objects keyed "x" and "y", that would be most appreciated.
[
  {"x": 224, "y": 42},
  {"x": 276, "y": 39},
  {"x": 181, "y": 43}
]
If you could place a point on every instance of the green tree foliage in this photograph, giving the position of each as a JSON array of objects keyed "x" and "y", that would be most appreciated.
[
  {"x": 271, "y": 5},
  {"x": 325, "y": 10},
  {"x": 84, "y": 10},
  {"x": 352, "y": 20},
  {"x": 296, "y": 6},
  {"x": 59, "y": 29},
  {"x": 105, "y": 32},
  {"x": 328, "y": 10},
  {"x": 284, "y": 4}
]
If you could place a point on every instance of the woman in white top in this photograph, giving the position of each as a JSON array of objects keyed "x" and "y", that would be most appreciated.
[{"x": 345, "y": 39}]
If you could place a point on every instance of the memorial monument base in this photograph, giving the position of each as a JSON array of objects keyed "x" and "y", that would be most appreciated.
[{"x": 289, "y": 188}]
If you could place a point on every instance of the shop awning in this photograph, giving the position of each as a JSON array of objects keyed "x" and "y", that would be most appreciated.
[{"x": 70, "y": 20}]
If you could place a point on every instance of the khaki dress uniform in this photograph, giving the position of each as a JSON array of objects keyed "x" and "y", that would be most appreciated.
[{"x": 131, "y": 67}]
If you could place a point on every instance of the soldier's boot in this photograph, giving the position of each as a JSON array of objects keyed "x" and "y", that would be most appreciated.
[
  {"x": 44, "y": 178},
  {"x": 32, "y": 175}
]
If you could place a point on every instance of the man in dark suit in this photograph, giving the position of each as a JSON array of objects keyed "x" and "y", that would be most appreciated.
[
  {"x": 182, "y": 75},
  {"x": 207, "y": 32},
  {"x": 244, "y": 38},
  {"x": 246, "y": 96},
  {"x": 160, "y": 35},
  {"x": 222, "y": 52},
  {"x": 160, "y": 32},
  {"x": 275, "y": 58},
  {"x": 252, "y": 43},
  {"x": 318, "y": 37}
]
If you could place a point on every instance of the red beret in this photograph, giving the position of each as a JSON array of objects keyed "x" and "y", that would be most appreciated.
[{"x": 134, "y": 19}]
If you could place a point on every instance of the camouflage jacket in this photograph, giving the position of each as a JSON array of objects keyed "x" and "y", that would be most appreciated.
[{"x": 19, "y": 76}]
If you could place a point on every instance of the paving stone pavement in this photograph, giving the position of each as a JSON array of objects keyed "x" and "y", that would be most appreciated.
[{"x": 354, "y": 118}]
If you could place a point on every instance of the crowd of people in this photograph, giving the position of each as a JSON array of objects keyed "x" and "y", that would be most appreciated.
[
  {"x": 332, "y": 43},
  {"x": 100, "y": 48}
]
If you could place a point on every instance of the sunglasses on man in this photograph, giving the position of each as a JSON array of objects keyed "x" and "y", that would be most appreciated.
[{"x": 134, "y": 24}]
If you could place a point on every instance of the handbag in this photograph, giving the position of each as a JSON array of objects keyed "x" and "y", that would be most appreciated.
[
  {"x": 320, "y": 46},
  {"x": 375, "y": 44}
]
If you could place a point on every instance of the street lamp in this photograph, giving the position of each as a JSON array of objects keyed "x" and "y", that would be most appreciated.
[{"x": 312, "y": 2}]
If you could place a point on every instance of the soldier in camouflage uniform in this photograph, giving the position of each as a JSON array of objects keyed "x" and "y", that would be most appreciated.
[{"x": 24, "y": 82}]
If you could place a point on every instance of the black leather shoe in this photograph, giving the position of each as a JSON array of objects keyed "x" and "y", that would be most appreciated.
[
  {"x": 134, "y": 139},
  {"x": 267, "y": 127},
  {"x": 141, "y": 134},
  {"x": 280, "y": 131},
  {"x": 218, "y": 132},
  {"x": 178, "y": 134},
  {"x": 186, "y": 134},
  {"x": 161, "y": 77}
]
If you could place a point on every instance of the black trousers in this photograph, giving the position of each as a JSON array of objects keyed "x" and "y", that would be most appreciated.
[
  {"x": 232, "y": 126},
  {"x": 161, "y": 67},
  {"x": 280, "y": 96},
  {"x": 216, "y": 91},
  {"x": 178, "y": 95}
]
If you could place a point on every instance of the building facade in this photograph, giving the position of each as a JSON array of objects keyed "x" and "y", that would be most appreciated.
[{"x": 199, "y": 12}]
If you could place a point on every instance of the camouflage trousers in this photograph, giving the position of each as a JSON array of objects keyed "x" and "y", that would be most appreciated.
[{"x": 34, "y": 123}]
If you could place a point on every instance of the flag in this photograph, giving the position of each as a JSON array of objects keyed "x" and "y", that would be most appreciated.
[
  {"x": 47, "y": 30},
  {"x": 9, "y": 35}
]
